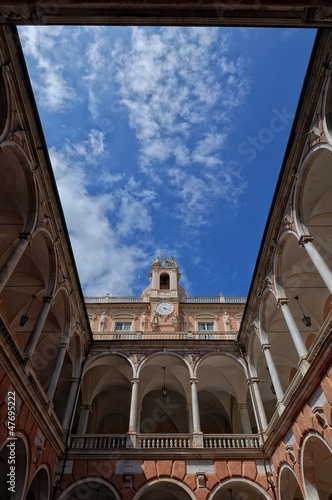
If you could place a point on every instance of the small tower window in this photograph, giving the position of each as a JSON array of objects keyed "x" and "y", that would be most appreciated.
[{"x": 164, "y": 281}]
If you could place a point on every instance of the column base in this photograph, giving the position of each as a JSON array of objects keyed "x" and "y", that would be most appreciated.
[
  {"x": 26, "y": 364},
  {"x": 131, "y": 441},
  {"x": 198, "y": 441},
  {"x": 280, "y": 407},
  {"x": 262, "y": 437},
  {"x": 303, "y": 366}
]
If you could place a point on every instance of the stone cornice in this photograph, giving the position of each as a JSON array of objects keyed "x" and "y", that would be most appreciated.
[{"x": 171, "y": 13}]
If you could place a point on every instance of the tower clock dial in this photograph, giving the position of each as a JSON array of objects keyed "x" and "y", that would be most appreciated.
[{"x": 164, "y": 308}]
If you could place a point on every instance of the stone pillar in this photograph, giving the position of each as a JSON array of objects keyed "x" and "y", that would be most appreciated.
[
  {"x": 293, "y": 330},
  {"x": 14, "y": 258},
  {"x": 190, "y": 418},
  {"x": 155, "y": 280},
  {"x": 84, "y": 417},
  {"x": 173, "y": 280},
  {"x": 324, "y": 271},
  {"x": 57, "y": 369},
  {"x": 245, "y": 420},
  {"x": 139, "y": 414},
  {"x": 258, "y": 405},
  {"x": 274, "y": 374},
  {"x": 70, "y": 403},
  {"x": 197, "y": 434},
  {"x": 38, "y": 327},
  {"x": 132, "y": 431}
]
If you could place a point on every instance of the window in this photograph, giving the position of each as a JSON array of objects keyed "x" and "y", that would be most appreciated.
[
  {"x": 164, "y": 281},
  {"x": 205, "y": 327},
  {"x": 125, "y": 327}
]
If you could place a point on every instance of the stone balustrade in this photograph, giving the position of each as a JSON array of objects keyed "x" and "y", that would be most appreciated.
[
  {"x": 187, "y": 300},
  {"x": 155, "y": 441},
  {"x": 229, "y": 441},
  {"x": 98, "y": 442},
  {"x": 166, "y": 335}
]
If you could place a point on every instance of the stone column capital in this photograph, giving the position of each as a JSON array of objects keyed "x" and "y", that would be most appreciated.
[
  {"x": 265, "y": 346},
  {"x": 64, "y": 345},
  {"x": 242, "y": 406},
  {"x": 282, "y": 301},
  {"x": 134, "y": 380},
  {"x": 252, "y": 380},
  {"x": 48, "y": 300},
  {"x": 86, "y": 407},
  {"x": 193, "y": 381},
  {"x": 26, "y": 236},
  {"x": 305, "y": 238}
]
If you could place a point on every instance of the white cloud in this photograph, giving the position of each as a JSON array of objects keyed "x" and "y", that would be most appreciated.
[
  {"x": 91, "y": 149},
  {"x": 41, "y": 44},
  {"x": 180, "y": 87},
  {"x": 106, "y": 263}
]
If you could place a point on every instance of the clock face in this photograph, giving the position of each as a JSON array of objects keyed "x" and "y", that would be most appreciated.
[{"x": 164, "y": 308}]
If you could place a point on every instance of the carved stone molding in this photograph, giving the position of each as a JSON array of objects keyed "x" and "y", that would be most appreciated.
[
  {"x": 15, "y": 12},
  {"x": 320, "y": 415},
  {"x": 290, "y": 452}
]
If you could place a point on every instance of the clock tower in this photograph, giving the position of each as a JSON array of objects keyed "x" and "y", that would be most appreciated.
[{"x": 164, "y": 294}]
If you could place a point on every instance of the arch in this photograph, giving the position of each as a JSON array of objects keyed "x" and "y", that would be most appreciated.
[
  {"x": 164, "y": 412},
  {"x": 21, "y": 451},
  {"x": 164, "y": 489},
  {"x": 316, "y": 466},
  {"x": 107, "y": 378},
  {"x": 92, "y": 488},
  {"x": 39, "y": 488},
  {"x": 18, "y": 200},
  {"x": 312, "y": 187},
  {"x": 229, "y": 355},
  {"x": 4, "y": 106},
  {"x": 327, "y": 109},
  {"x": 295, "y": 270},
  {"x": 151, "y": 357},
  {"x": 222, "y": 391},
  {"x": 288, "y": 485},
  {"x": 99, "y": 359},
  {"x": 238, "y": 489}
]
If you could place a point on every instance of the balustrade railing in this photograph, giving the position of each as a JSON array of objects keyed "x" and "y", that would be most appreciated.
[
  {"x": 99, "y": 442},
  {"x": 204, "y": 300},
  {"x": 166, "y": 335},
  {"x": 155, "y": 441},
  {"x": 215, "y": 300},
  {"x": 180, "y": 441},
  {"x": 229, "y": 441}
]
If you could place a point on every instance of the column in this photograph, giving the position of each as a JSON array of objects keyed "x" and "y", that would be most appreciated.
[
  {"x": 197, "y": 434},
  {"x": 84, "y": 417},
  {"x": 57, "y": 369},
  {"x": 70, "y": 403},
  {"x": 132, "y": 431},
  {"x": 37, "y": 329},
  {"x": 258, "y": 404},
  {"x": 293, "y": 330},
  {"x": 324, "y": 271},
  {"x": 13, "y": 259},
  {"x": 273, "y": 371},
  {"x": 190, "y": 418},
  {"x": 245, "y": 420}
]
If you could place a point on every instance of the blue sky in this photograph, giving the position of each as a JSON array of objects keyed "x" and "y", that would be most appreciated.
[{"x": 166, "y": 140}]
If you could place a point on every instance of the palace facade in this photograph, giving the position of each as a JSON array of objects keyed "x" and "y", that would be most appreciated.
[{"x": 165, "y": 396}]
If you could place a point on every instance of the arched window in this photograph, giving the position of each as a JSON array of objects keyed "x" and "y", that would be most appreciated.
[{"x": 164, "y": 281}]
